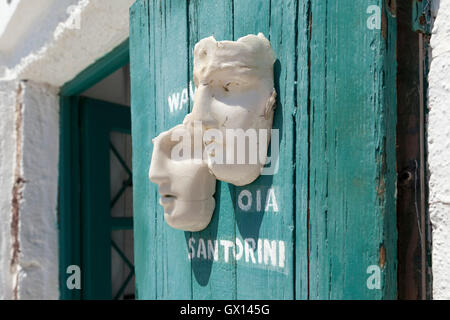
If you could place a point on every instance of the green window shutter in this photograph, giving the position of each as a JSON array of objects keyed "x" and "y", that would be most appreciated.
[{"x": 335, "y": 187}]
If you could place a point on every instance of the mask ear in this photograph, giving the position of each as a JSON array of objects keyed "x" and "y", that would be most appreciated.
[{"x": 270, "y": 105}]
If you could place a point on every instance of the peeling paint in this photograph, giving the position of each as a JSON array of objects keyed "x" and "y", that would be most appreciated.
[
  {"x": 392, "y": 7},
  {"x": 382, "y": 260}
]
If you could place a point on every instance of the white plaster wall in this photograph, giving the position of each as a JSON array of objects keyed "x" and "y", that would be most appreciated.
[
  {"x": 7, "y": 157},
  {"x": 51, "y": 51},
  {"x": 38, "y": 236},
  {"x": 6, "y": 12},
  {"x": 29, "y": 163},
  {"x": 104, "y": 24},
  {"x": 439, "y": 150},
  {"x": 30, "y": 26}
]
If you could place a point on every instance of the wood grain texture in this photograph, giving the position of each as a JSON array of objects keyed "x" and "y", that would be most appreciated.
[
  {"x": 335, "y": 187},
  {"x": 162, "y": 27},
  {"x": 276, "y": 19},
  {"x": 173, "y": 270},
  {"x": 145, "y": 200},
  {"x": 411, "y": 271},
  {"x": 352, "y": 152},
  {"x": 214, "y": 279},
  {"x": 302, "y": 146}
]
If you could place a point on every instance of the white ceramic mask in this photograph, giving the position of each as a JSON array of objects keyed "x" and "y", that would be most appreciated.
[
  {"x": 234, "y": 90},
  {"x": 186, "y": 187}
]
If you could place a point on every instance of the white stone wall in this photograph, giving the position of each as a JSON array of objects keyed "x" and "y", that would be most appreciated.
[
  {"x": 69, "y": 47},
  {"x": 8, "y": 98},
  {"x": 439, "y": 149},
  {"x": 37, "y": 272},
  {"x": 51, "y": 49},
  {"x": 28, "y": 188}
]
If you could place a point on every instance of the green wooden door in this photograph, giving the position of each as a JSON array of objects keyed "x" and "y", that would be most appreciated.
[
  {"x": 97, "y": 120},
  {"x": 328, "y": 230},
  {"x": 87, "y": 237}
]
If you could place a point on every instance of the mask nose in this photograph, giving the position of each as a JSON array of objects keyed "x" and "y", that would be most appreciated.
[
  {"x": 154, "y": 174},
  {"x": 156, "y": 171},
  {"x": 202, "y": 106}
]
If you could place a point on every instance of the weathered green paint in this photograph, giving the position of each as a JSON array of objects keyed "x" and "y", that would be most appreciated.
[
  {"x": 302, "y": 149},
  {"x": 335, "y": 187},
  {"x": 421, "y": 16},
  {"x": 159, "y": 246},
  {"x": 352, "y": 114},
  {"x": 141, "y": 93},
  {"x": 171, "y": 74},
  {"x": 269, "y": 282},
  {"x": 211, "y": 280}
]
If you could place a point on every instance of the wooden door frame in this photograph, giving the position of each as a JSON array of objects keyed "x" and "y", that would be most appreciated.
[
  {"x": 69, "y": 209},
  {"x": 413, "y": 223}
]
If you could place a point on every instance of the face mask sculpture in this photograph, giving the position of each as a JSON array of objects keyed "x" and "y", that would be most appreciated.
[
  {"x": 235, "y": 95},
  {"x": 186, "y": 187},
  {"x": 234, "y": 99}
]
